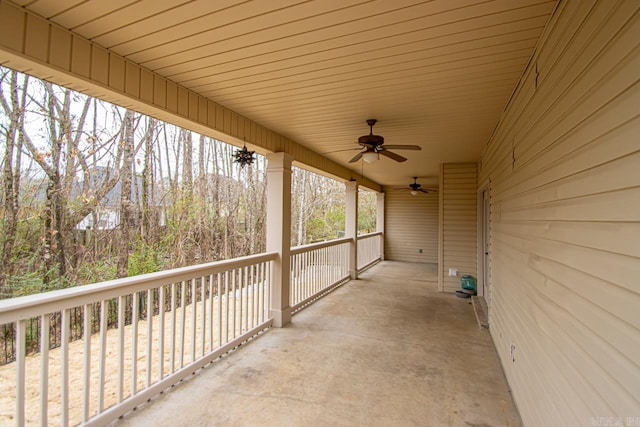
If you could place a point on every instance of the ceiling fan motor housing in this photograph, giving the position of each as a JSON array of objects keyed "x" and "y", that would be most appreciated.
[{"x": 370, "y": 140}]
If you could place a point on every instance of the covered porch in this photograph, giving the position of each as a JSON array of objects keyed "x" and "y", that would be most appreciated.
[
  {"x": 386, "y": 349},
  {"x": 521, "y": 116}
]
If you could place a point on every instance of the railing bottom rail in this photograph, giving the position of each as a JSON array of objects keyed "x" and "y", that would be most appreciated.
[
  {"x": 310, "y": 300},
  {"x": 369, "y": 265},
  {"x": 133, "y": 402}
]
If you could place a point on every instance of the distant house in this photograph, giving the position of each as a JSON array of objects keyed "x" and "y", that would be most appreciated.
[
  {"x": 106, "y": 215},
  {"x": 106, "y": 218}
]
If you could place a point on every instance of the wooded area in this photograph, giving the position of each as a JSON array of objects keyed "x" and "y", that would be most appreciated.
[{"x": 92, "y": 191}]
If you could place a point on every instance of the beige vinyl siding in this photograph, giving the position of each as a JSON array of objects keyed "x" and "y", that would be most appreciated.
[
  {"x": 458, "y": 184},
  {"x": 564, "y": 168},
  {"x": 411, "y": 224}
]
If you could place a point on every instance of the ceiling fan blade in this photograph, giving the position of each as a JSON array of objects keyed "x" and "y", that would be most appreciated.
[
  {"x": 404, "y": 147},
  {"x": 394, "y": 156},
  {"x": 425, "y": 191},
  {"x": 356, "y": 158},
  {"x": 344, "y": 149}
]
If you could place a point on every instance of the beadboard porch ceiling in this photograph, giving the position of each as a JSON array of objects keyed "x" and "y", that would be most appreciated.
[{"x": 434, "y": 73}]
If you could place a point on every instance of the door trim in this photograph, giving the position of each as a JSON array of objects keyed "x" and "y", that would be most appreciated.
[{"x": 483, "y": 216}]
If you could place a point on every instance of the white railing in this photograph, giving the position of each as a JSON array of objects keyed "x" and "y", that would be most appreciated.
[
  {"x": 316, "y": 269},
  {"x": 134, "y": 338},
  {"x": 369, "y": 249}
]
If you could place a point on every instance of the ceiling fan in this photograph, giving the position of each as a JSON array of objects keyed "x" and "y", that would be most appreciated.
[
  {"x": 372, "y": 147},
  {"x": 416, "y": 188}
]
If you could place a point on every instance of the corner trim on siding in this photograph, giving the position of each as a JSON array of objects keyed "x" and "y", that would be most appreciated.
[{"x": 441, "y": 228}]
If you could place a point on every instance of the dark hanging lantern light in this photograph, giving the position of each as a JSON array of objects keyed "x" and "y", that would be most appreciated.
[{"x": 243, "y": 157}]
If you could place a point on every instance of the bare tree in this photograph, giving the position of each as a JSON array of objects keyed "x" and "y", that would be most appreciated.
[
  {"x": 14, "y": 132},
  {"x": 149, "y": 213},
  {"x": 126, "y": 204}
]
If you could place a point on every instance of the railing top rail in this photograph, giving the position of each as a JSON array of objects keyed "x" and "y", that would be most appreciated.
[
  {"x": 368, "y": 235},
  {"x": 35, "y": 305},
  {"x": 314, "y": 246}
]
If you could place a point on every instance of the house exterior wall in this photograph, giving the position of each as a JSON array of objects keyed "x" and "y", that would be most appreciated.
[
  {"x": 564, "y": 173},
  {"x": 411, "y": 225},
  {"x": 458, "y": 218}
]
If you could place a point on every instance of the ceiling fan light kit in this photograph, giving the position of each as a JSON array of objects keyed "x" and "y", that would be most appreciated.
[{"x": 370, "y": 156}]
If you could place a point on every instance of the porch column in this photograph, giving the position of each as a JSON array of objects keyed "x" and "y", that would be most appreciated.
[
  {"x": 380, "y": 221},
  {"x": 279, "y": 234},
  {"x": 351, "y": 226}
]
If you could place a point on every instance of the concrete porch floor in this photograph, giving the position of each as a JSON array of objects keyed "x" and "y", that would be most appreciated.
[{"x": 387, "y": 349}]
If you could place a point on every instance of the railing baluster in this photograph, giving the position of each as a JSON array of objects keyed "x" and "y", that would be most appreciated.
[
  {"x": 233, "y": 291},
  {"x": 298, "y": 269},
  {"x": 161, "y": 312},
  {"x": 292, "y": 292},
  {"x": 226, "y": 312},
  {"x": 308, "y": 265},
  {"x": 325, "y": 264},
  {"x": 345, "y": 264},
  {"x": 203, "y": 320},
  {"x": 309, "y": 273},
  {"x": 194, "y": 312},
  {"x": 336, "y": 262},
  {"x": 64, "y": 366},
  {"x": 219, "y": 289},
  {"x": 315, "y": 270},
  {"x": 258, "y": 291},
  {"x": 149, "y": 336},
  {"x": 183, "y": 318},
  {"x": 301, "y": 273},
  {"x": 309, "y": 277},
  {"x": 245, "y": 316},
  {"x": 246, "y": 300},
  {"x": 333, "y": 258},
  {"x": 211, "y": 319},
  {"x": 44, "y": 369},
  {"x": 172, "y": 357},
  {"x": 121, "y": 325},
  {"x": 305, "y": 292},
  {"x": 261, "y": 292},
  {"x": 134, "y": 343},
  {"x": 253, "y": 296},
  {"x": 240, "y": 285},
  {"x": 268, "y": 292},
  {"x": 103, "y": 355},
  {"x": 86, "y": 365},
  {"x": 293, "y": 298},
  {"x": 21, "y": 352}
]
